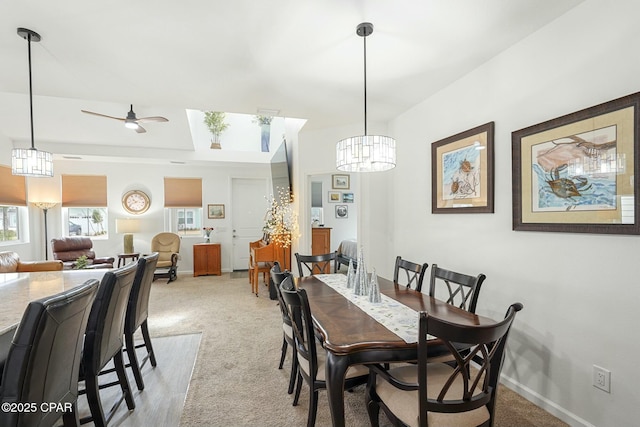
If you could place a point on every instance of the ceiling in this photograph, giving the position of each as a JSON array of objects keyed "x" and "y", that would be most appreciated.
[{"x": 300, "y": 57}]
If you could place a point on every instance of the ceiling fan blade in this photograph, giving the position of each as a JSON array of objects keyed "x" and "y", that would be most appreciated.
[
  {"x": 140, "y": 129},
  {"x": 152, "y": 119},
  {"x": 102, "y": 115}
]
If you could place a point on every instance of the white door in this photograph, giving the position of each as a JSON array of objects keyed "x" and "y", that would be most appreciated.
[{"x": 249, "y": 207}]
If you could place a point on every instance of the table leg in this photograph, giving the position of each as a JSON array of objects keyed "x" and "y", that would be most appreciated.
[{"x": 336, "y": 369}]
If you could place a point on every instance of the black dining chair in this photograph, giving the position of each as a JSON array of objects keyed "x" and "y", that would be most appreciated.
[
  {"x": 460, "y": 393},
  {"x": 413, "y": 272},
  {"x": 43, "y": 359},
  {"x": 459, "y": 289},
  {"x": 103, "y": 342},
  {"x": 277, "y": 276},
  {"x": 311, "y": 359},
  {"x": 316, "y": 264},
  {"x": 137, "y": 315}
]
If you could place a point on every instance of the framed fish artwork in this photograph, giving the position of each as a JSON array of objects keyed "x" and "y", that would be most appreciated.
[
  {"x": 578, "y": 173},
  {"x": 462, "y": 172}
]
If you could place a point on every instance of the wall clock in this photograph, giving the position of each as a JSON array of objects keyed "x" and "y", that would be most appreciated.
[{"x": 136, "y": 202}]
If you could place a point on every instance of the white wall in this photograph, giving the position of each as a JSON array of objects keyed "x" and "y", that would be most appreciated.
[{"x": 580, "y": 292}]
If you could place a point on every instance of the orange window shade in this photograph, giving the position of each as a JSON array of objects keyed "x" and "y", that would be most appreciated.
[
  {"x": 81, "y": 191},
  {"x": 182, "y": 192},
  {"x": 13, "y": 189}
]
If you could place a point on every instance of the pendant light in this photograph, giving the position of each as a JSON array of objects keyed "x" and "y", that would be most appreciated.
[
  {"x": 30, "y": 161},
  {"x": 366, "y": 153}
]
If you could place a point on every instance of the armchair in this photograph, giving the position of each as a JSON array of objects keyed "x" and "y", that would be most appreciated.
[
  {"x": 167, "y": 245},
  {"x": 69, "y": 249},
  {"x": 10, "y": 263}
]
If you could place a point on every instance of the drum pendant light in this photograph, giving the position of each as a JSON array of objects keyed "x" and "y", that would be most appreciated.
[
  {"x": 366, "y": 153},
  {"x": 30, "y": 161}
]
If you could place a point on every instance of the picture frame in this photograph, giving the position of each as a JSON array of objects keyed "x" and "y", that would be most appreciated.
[
  {"x": 342, "y": 211},
  {"x": 340, "y": 182},
  {"x": 347, "y": 197},
  {"x": 578, "y": 173},
  {"x": 462, "y": 172},
  {"x": 334, "y": 197},
  {"x": 215, "y": 211}
]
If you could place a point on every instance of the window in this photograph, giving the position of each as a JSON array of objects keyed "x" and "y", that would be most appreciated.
[
  {"x": 91, "y": 222},
  {"x": 9, "y": 223},
  {"x": 185, "y": 221}
]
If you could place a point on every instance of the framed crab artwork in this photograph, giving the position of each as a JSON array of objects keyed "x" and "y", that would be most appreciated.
[
  {"x": 578, "y": 173},
  {"x": 462, "y": 172}
]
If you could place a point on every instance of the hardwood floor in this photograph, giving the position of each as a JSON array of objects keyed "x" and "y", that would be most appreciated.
[{"x": 162, "y": 400}]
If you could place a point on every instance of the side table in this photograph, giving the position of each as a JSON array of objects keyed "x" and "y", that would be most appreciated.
[
  {"x": 206, "y": 259},
  {"x": 122, "y": 258}
]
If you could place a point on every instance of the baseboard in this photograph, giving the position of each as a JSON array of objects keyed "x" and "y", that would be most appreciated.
[{"x": 544, "y": 403}]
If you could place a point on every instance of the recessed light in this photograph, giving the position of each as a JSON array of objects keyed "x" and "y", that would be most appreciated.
[{"x": 72, "y": 157}]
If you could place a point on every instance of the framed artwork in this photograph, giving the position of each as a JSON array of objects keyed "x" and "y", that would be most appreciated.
[
  {"x": 342, "y": 211},
  {"x": 462, "y": 172},
  {"x": 578, "y": 173},
  {"x": 334, "y": 196},
  {"x": 347, "y": 197},
  {"x": 340, "y": 182},
  {"x": 215, "y": 211}
]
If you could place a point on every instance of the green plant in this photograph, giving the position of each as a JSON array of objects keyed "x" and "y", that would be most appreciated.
[
  {"x": 214, "y": 120},
  {"x": 262, "y": 120},
  {"x": 81, "y": 262}
]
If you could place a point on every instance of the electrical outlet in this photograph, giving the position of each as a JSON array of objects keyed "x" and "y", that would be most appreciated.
[{"x": 602, "y": 378}]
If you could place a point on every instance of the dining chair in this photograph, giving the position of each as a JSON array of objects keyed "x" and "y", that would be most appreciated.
[
  {"x": 103, "y": 342},
  {"x": 43, "y": 358},
  {"x": 461, "y": 290},
  {"x": 137, "y": 315},
  {"x": 311, "y": 359},
  {"x": 414, "y": 273},
  {"x": 316, "y": 264},
  {"x": 277, "y": 276},
  {"x": 458, "y": 394}
]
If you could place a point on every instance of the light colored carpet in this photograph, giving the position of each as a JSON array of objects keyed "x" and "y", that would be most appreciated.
[{"x": 236, "y": 382}]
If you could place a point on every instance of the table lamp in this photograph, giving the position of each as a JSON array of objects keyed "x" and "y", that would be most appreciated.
[{"x": 127, "y": 226}]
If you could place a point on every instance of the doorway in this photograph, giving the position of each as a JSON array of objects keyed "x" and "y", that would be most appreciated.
[{"x": 249, "y": 206}]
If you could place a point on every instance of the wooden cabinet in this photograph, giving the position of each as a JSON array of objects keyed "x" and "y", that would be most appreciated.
[
  {"x": 320, "y": 240},
  {"x": 206, "y": 259}
]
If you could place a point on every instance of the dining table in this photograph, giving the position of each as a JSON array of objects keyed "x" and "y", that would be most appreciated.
[
  {"x": 18, "y": 289},
  {"x": 351, "y": 335}
]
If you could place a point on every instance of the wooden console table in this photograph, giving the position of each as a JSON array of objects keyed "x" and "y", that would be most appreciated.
[{"x": 206, "y": 259}]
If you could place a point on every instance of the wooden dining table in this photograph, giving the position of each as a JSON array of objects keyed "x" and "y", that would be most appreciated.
[
  {"x": 352, "y": 337},
  {"x": 18, "y": 289}
]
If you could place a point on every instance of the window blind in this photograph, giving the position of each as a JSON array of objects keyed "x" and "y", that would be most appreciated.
[
  {"x": 81, "y": 191},
  {"x": 13, "y": 189},
  {"x": 182, "y": 192}
]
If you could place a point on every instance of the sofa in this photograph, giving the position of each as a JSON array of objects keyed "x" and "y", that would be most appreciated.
[
  {"x": 69, "y": 249},
  {"x": 10, "y": 263}
]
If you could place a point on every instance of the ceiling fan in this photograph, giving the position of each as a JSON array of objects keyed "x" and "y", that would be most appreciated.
[{"x": 131, "y": 121}]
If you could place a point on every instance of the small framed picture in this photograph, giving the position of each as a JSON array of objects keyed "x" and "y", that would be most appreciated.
[
  {"x": 340, "y": 182},
  {"x": 334, "y": 196},
  {"x": 342, "y": 211},
  {"x": 215, "y": 211},
  {"x": 347, "y": 197}
]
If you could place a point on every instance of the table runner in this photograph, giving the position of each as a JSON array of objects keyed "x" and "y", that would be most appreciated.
[{"x": 393, "y": 315}]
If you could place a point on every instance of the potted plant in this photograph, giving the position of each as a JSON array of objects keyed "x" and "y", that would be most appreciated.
[
  {"x": 265, "y": 131},
  {"x": 214, "y": 120}
]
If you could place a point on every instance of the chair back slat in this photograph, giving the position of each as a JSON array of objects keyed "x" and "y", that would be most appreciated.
[
  {"x": 473, "y": 381},
  {"x": 461, "y": 290},
  {"x": 316, "y": 264},
  {"x": 414, "y": 273},
  {"x": 297, "y": 305}
]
